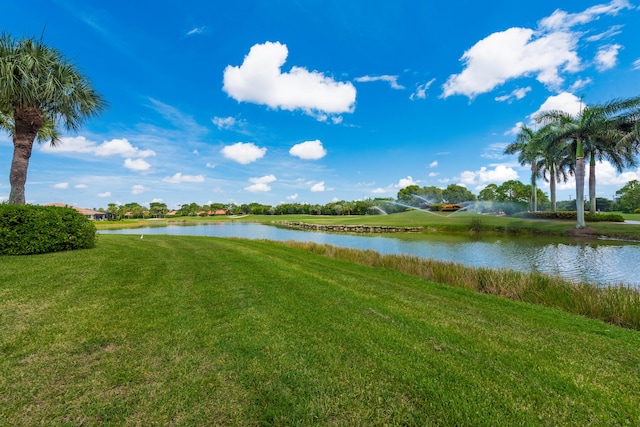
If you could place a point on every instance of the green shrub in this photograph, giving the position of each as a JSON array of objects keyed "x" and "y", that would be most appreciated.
[
  {"x": 28, "y": 229},
  {"x": 571, "y": 215}
]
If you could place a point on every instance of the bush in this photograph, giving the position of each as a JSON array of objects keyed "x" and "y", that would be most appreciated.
[
  {"x": 572, "y": 215},
  {"x": 28, "y": 229}
]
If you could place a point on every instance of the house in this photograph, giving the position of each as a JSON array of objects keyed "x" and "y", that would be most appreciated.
[{"x": 91, "y": 214}]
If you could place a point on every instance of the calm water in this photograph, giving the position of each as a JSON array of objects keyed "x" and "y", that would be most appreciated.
[{"x": 604, "y": 262}]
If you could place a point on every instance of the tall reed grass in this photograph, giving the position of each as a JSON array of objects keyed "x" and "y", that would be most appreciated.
[{"x": 618, "y": 305}]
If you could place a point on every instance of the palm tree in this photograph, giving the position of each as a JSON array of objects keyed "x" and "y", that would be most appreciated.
[
  {"x": 39, "y": 90},
  {"x": 556, "y": 161},
  {"x": 608, "y": 123},
  {"x": 619, "y": 154},
  {"x": 528, "y": 145}
]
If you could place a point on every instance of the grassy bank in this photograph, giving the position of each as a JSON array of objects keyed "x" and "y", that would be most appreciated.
[
  {"x": 170, "y": 330},
  {"x": 618, "y": 305}
]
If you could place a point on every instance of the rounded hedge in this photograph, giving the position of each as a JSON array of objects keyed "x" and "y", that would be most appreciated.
[{"x": 29, "y": 229}]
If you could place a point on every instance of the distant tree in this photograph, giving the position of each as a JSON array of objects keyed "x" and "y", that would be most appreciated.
[
  {"x": 513, "y": 191},
  {"x": 457, "y": 194},
  {"x": 190, "y": 209},
  {"x": 120, "y": 213},
  {"x": 415, "y": 195},
  {"x": 604, "y": 204},
  {"x": 407, "y": 194},
  {"x": 489, "y": 193},
  {"x": 629, "y": 197},
  {"x": 157, "y": 209}
]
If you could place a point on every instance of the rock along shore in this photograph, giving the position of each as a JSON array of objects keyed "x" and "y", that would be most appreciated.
[{"x": 335, "y": 228}]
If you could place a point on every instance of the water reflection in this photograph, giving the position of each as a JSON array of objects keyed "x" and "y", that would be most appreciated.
[{"x": 604, "y": 262}]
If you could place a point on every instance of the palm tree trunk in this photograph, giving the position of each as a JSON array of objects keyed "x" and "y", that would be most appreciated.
[
  {"x": 534, "y": 195},
  {"x": 28, "y": 122},
  {"x": 592, "y": 184},
  {"x": 552, "y": 188},
  {"x": 579, "y": 185}
]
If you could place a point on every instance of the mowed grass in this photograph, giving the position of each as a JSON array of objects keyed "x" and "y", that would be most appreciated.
[{"x": 172, "y": 330}]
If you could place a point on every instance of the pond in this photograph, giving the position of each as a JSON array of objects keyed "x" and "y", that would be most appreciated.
[{"x": 601, "y": 262}]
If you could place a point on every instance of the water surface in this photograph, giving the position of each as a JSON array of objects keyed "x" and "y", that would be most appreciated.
[{"x": 603, "y": 262}]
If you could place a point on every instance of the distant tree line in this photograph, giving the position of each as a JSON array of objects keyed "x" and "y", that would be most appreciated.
[{"x": 510, "y": 197}]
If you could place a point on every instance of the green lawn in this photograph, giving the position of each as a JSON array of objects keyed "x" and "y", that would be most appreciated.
[{"x": 171, "y": 330}]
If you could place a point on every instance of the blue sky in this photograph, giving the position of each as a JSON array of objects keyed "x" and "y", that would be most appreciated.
[{"x": 313, "y": 101}]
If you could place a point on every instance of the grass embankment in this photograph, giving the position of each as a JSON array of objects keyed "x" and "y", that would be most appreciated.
[{"x": 204, "y": 331}]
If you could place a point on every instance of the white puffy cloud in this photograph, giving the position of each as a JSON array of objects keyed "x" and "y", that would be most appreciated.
[
  {"x": 104, "y": 195},
  {"x": 178, "y": 178},
  {"x": 139, "y": 165},
  {"x": 292, "y": 197},
  {"x": 260, "y": 184},
  {"x": 138, "y": 189},
  {"x": 510, "y": 54},
  {"x": 636, "y": 64},
  {"x": 115, "y": 147},
  {"x": 421, "y": 90},
  {"x": 498, "y": 175},
  {"x": 606, "y": 174},
  {"x": 607, "y": 57},
  {"x": 308, "y": 150},
  {"x": 565, "y": 101},
  {"x": 433, "y": 164},
  {"x": 405, "y": 182},
  {"x": 392, "y": 80},
  {"x": 260, "y": 80},
  {"x": 121, "y": 147},
  {"x": 380, "y": 190},
  {"x": 81, "y": 186},
  {"x": 546, "y": 53},
  {"x": 243, "y": 152},
  {"x": 61, "y": 185},
  {"x": 318, "y": 187}
]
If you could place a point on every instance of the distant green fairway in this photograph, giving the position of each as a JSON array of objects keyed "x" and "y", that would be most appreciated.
[{"x": 171, "y": 330}]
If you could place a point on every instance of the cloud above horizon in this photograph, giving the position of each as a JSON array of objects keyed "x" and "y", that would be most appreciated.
[
  {"x": 243, "y": 152},
  {"x": 79, "y": 144},
  {"x": 260, "y": 80},
  {"x": 309, "y": 150},
  {"x": 178, "y": 178},
  {"x": 260, "y": 185},
  {"x": 547, "y": 53}
]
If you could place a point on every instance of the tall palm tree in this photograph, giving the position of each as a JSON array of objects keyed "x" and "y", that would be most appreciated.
[
  {"x": 556, "y": 161},
  {"x": 528, "y": 145},
  {"x": 605, "y": 123},
  {"x": 39, "y": 90},
  {"x": 619, "y": 155}
]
